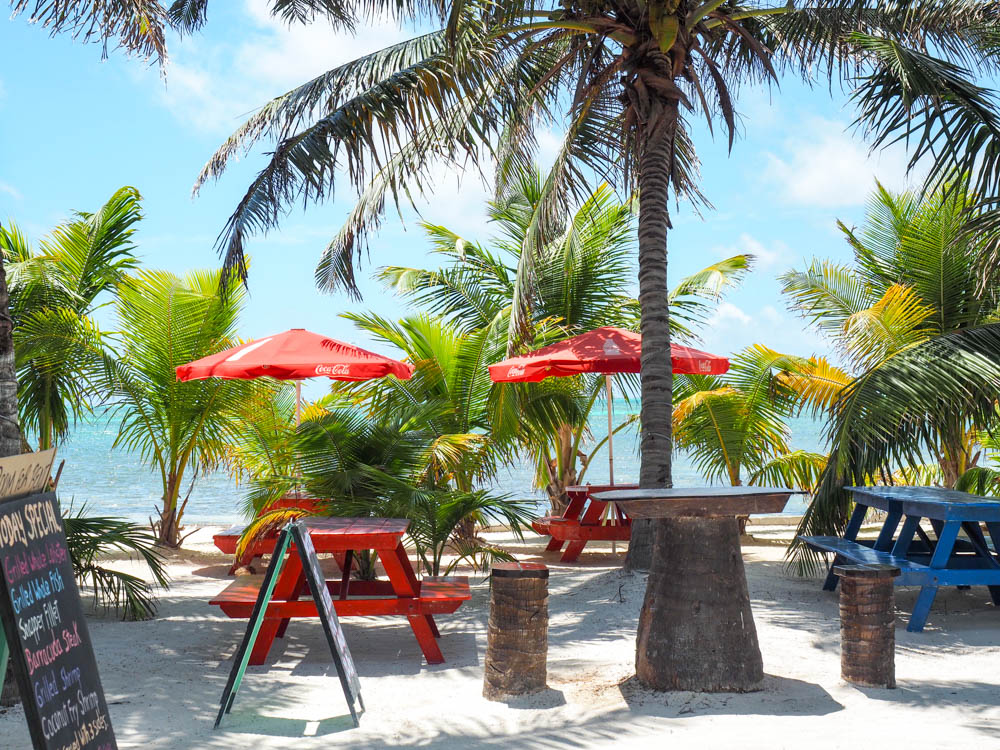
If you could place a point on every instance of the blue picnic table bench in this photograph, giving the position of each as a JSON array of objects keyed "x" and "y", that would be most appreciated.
[{"x": 928, "y": 560}]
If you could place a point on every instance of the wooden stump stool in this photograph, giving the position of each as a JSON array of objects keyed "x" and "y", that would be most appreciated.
[
  {"x": 518, "y": 630},
  {"x": 867, "y": 624}
]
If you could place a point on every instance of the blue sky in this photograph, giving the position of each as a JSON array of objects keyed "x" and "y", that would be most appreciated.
[{"x": 73, "y": 129}]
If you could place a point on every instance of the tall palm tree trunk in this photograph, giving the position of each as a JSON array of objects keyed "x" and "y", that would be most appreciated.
[
  {"x": 696, "y": 630},
  {"x": 655, "y": 157},
  {"x": 10, "y": 431}
]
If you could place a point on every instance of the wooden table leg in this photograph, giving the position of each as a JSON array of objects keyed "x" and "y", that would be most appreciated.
[
  {"x": 300, "y": 587},
  {"x": 591, "y": 517},
  {"x": 942, "y": 553},
  {"x": 850, "y": 534},
  {"x": 283, "y": 591},
  {"x": 425, "y": 637},
  {"x": 345, "y": 581},
  {"x": 405, "y": 584}
]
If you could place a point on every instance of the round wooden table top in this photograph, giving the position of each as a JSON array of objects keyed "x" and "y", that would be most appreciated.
[{"x": 700, "y": 502}]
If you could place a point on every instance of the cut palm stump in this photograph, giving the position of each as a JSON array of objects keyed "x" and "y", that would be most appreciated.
[
  {"x": 696, "y": 628},
  {"x": 518, "y": 631},
  {"x": 867, "y": 624}
]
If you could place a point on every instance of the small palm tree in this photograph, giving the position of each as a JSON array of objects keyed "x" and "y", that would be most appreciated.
[
  {"x": 916, "y": 279},
  {"x": 733, "y": 426},
  {"x": 582, "y": 281},
  {"x": 91, "y": 539},
  {"x": 374, "y": 462},
  {"x": 55, "y": 291},
  {"x": 916, "y": 275},
  {"x": 166, "y": 321}
]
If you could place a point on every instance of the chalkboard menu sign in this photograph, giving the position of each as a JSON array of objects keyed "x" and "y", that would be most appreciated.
[
  {"x": 298, "y": 533},
  {"x": 43, "y": 620}
]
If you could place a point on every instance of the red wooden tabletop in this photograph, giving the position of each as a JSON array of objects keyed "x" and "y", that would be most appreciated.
[
  {"x": 355, "y": 526},
  {"x": 336, "y": 534}
]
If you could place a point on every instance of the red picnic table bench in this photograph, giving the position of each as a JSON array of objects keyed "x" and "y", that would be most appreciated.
[
  {"x": 583, "y": 521},
  {"x": 403, "y": 594}
]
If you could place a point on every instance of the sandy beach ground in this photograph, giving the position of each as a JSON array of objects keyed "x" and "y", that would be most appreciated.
[{"x": 163, "y": 678}]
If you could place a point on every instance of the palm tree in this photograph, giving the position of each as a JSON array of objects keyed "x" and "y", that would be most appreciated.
[
  {"x": 897, "y": 414},
  {"x": 137, "y": 25},
  {"x": 916, "y": 277},
  {"x": 733, "y": 426},
  {"x": 166, "y": 321},
  {"x": 91, "y": 538},
  {"x": 474, "y": 420},
  {"x": 375, "y": 462},
  {"x": 620, "y": 73},
  {"x": 55, "y": 292}
]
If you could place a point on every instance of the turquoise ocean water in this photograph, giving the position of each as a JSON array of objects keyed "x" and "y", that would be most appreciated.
[{"x": 112, "y": 482}]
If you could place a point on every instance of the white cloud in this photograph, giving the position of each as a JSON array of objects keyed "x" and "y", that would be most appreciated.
[
  {"x": 727, "y": 313},
  {"x": 829, "y": 168},
  {"x": 10, "y": 190},
  {"x": 765, "y": 256}
]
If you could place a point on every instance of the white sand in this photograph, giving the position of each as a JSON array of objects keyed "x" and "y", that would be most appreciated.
[{"x": 163, "y": 678}]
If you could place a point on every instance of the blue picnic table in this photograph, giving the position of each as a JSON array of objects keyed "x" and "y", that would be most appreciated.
[{"x": 928, "y": 560}]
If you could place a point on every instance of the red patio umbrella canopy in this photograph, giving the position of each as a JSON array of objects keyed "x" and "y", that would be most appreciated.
[
  {"x": 295, "y": 355},
  {"x": 604, "y": 350}
]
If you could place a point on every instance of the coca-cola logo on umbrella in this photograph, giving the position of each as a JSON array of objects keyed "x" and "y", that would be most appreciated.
[
  {"x": 333, "y": 369},
  {"x": 515, "y": 371}
]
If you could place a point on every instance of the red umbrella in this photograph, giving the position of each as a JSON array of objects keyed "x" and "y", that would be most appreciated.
[
  {"x": 294, "y": 355},
  {"x": 604, "y": 350}
]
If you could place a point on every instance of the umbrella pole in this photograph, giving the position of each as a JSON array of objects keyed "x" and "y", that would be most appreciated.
[
  {"x": 611, "y": 452},
  {"x": 611, "y": 424},
  {"x": 298, "y": 402}
]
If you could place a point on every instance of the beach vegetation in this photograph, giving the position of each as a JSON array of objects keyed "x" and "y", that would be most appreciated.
[
  {"x": 180, "y": 429},
  {"x": 91, "y": 539},
  {"x": 913, "y": 319},
  {"x": 353, "y": 460},
  {"x": 734, "y": 426},
  {"x": 619, "y": 81},
  {"x": 581, "y": 281},
  {"x": 55, "y": 290}
]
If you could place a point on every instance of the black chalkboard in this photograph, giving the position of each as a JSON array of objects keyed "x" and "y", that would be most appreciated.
[
  {"x": 298, "y": 533},
  {"x": 43, "y": 620}
]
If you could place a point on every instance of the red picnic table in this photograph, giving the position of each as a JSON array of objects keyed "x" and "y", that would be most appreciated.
[
  {"x": 582, "y": 521},
  {"x": 402, "y": 594}
]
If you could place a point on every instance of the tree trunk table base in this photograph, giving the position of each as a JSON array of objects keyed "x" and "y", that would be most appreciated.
[
  {"x": 696, "y": 629},
  {"x": 517, "y": 633},
  {"x": 867, "y": 624}
]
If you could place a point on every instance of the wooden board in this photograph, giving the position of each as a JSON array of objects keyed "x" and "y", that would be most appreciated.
[
  {"x": 699, "y": 502},
  {"x": 43, "y": 621}
]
